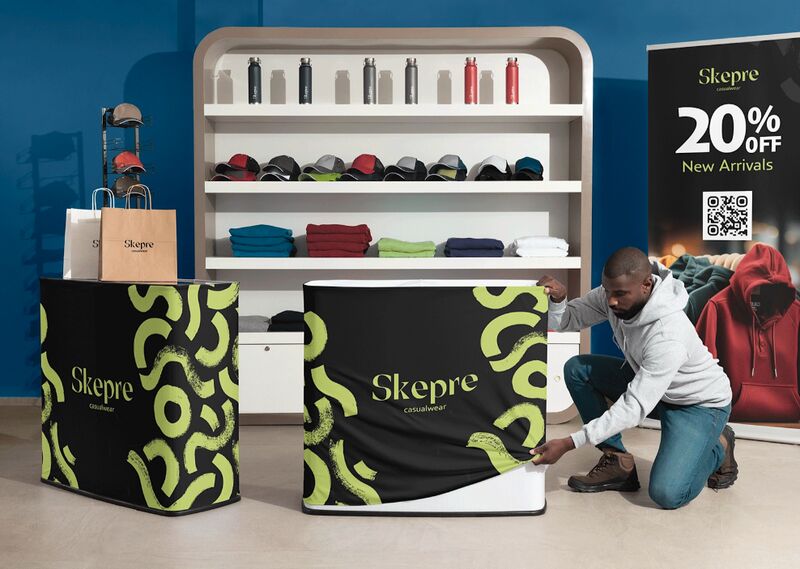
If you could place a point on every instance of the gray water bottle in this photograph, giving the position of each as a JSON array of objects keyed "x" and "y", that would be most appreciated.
[
  {"x": 254, "y": 81},
  {"x": 305, "y": 80},
  {"x": 370, "y": 82},
  {"x": 411, "y": 81}
]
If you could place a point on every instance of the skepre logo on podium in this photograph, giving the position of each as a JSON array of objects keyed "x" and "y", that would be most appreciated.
[{"x": 105, "y": 389}]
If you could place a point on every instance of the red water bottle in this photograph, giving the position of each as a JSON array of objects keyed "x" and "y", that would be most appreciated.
[
  {"x": 512, "y": 82},
  {"x": 471, "y": 82}
]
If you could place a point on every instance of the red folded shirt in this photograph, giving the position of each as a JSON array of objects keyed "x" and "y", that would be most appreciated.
[
  {"x": 337, "y": 238},
  {"x": 339, "y": 246},
  {"x": 336, "y": 228},
  {"x": 334, "y": 253}
]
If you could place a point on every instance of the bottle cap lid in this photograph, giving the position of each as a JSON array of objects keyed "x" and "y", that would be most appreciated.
[
  {"x": 305, "y": 60},
  {"x": 255, "y": 60},
  {"x": 512, "y": 59},
  {"x": 411, "y": 60},
  {"x": 470, "y": 60},
  {"x": 369, "y": 61}
]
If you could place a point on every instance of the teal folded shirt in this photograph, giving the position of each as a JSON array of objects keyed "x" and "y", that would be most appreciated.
[
  {"x": 286, "y": 246},
  {"x": 260, "y": 231},
  {"x": 289, "y": 253},
  {"x": 261, "y": 241}
]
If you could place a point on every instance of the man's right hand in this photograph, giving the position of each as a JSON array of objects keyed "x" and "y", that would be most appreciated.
[{"x": 553, "y": 287}]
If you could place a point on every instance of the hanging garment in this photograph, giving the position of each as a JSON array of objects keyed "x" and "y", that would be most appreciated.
[
  {"x": 704, "y": 286},
  {"x": 752, "y": 327}
]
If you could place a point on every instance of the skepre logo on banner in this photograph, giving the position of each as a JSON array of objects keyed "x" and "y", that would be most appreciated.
[
  {"x": 105, "y": 389},
  {"x": 138, "y": 246},
  {"x": 727, "y": 80},
  {"x": 390, "y": 386}
]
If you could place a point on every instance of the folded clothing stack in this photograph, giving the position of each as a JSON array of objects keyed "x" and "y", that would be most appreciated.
[
  {"x": 470, "y": 247},
  {"x": 287, "y": 321},
  {"x": 334, "y": 240},
  {"x": 388, "y": 247},
  {"x": 262, "y": 241},
  {"x": 253, "y": 323},
  {"x": 539, "y": 246}
]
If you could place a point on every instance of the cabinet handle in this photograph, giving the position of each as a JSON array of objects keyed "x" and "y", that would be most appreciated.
[
  {"x": 557, "y": 378},
  {"x": 266, "y": 348}
]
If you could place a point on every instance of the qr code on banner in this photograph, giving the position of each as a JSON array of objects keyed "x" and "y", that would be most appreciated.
[{"x": 727, "y": 216}]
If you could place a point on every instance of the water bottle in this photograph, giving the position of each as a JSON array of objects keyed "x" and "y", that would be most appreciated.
[
  {"x": 471, "y": 82},
  {"x": 305, "y": 81},
  {"x": 512, "y": 82},
  {"x": 370, "y": 82},
  {"x": 254, "y": 81},
  {"x": 411, "y": 81}
]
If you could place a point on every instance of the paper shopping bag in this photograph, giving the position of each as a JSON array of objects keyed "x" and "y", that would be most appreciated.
[
  {"x": 82, "y": 240},
  {"x": 138, "y": 245}
]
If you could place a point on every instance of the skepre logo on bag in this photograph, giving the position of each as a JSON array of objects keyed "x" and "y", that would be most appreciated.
[
  {"x": 105, "y": 389},
  {"x": 95, "y": 243},
  {"x": 139, "y": 246},
  {"x": 727, "y": 80},
  {"x": 390, "y": 386}
]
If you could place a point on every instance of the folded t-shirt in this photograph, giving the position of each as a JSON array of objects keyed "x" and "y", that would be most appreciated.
[
  {"x": 260, "y": 231},
  {"x": 240, "y": 240},
  {"x": 253, "y": 323},
  {"x": 531, "y": 252},
  {"x": 473, "y": 252},
  {"x": 337, "y": 237},
  {"x": 286, "y": 246},
  {"x": 399, "y": 254},
  {"x": 398, "y": 246},
  {"x": 288, "y": 316},
  {"x": 339, "y": 245},
  {"x": 239, "y": 253},
  {"x": 336, "y": 228},
  {"x": 472, "y": 243},
  {"x": 334, "y": 253},
  {"x": 540, "y": 242}
]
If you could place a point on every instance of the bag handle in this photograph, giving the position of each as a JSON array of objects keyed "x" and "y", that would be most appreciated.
[
  {"x": 142, "y": 191},
  {"x": 104, "y": 190}
]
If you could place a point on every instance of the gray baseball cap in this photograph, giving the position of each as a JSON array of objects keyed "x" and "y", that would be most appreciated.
[
  {"x": 408, "y": 168},
  {"x": 327, "y": 164},
  {"x": 126, "y": 114},
  {"x": 494, "y": 168},
  {"x": 449, "y": 167}
]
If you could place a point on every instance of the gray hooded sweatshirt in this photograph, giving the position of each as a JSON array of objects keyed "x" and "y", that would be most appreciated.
[{"x": 670, "y": 361}]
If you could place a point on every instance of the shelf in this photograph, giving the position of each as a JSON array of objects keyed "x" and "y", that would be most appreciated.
[
  {"x": 377, "y": 263},
  {"x": 456, "y": 188},
  {"x": 259, "y": 338},
  {"x": 244, "y": 113}
]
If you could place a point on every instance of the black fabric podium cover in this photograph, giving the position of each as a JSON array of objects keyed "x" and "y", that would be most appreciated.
[
  {"x": 411, "y": 392},
  {"x": 140, "y": 392}
]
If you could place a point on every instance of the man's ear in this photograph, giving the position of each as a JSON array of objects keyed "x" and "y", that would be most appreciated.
[{"x": 647, "y": 284}]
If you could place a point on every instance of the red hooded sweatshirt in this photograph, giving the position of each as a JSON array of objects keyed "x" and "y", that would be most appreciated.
[{"x": 752, "y": 328}]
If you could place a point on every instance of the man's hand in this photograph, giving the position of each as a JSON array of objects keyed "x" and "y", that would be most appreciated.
[
  {"x": 551, "y": 451},
  {"x": 553, "y": 287}
]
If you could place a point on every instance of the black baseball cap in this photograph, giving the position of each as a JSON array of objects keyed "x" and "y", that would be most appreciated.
[
  {"x": 493, "y": 168},
  {"x": 407, "y": 169},
  {"x": 238, "y": 162},
  {"x": 281, "y": 169},
  {"x": 448, "y": 168},
  {"x": 366, "y": 167}
]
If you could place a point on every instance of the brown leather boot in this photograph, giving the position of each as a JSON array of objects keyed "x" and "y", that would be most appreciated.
[
  {"x": 615, "y": 471},
  {"x": 728, "y": 472}
]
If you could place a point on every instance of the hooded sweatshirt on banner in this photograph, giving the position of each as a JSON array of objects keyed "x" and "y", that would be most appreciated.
[
  {"x": 752, "y": 327},
  {"x": 661, "y": 346}
]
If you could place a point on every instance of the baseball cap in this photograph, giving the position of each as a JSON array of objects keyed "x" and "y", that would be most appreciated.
[
  {"x": 125, "y": 184},
  {"x": 449, "y": 167},
  {"x": 327, "y": 164},
  {"x": 127, "y": 161},
  {"x": 528, "y": 168},
  {"x": 366, "y": 167},
  {"x": 235, "y": 176},
  {"x": 493, "y": 168},
  {"x": 126, "y": 114},
  {"x": 281, "y": 168},
  {"x": 238, "y": 162},
  {"x": 408, "y": 168},
  {"x": 319, "y": 177}
]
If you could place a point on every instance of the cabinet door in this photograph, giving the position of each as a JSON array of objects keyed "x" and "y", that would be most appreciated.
[
  {"x": 271, "y": 378},
  {"x": 559, "y": 401}
]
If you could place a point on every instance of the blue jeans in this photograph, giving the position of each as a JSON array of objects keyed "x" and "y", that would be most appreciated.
[{"x": 690, "y": 450}]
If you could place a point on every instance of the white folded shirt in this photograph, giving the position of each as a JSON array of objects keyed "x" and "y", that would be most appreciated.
[
  {"x": 540, "y": 242},
  {"x": 540, "y": 252}
]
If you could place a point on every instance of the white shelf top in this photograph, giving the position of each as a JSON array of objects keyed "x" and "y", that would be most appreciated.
[
  {"x": 379, "y": 263},
  {"x": 400, "y": 113},
  {"x": 260, "y": 338},
  {"x": 455, "y": 188}
]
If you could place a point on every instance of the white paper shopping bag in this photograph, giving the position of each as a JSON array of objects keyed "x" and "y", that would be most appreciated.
[{"x": 82, "y": 240}]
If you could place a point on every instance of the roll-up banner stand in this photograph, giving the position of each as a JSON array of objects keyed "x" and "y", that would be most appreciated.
[
  {"x": 724, "y": 211},
  {"x": 424, "y": 397},
  {"x": 140, "y": 393}
]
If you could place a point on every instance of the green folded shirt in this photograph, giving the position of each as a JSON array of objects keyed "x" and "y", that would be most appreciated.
[
  {"x": 398, "y": 254},
  {"x": 387, "y": 244}
]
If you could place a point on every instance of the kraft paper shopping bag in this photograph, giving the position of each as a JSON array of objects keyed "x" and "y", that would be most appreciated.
[
  {"x": 138, "y": 245},
  {"x": 82, "y": 239}
]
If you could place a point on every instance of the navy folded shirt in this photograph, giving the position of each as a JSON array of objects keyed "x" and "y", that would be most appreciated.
[
  {"x": 473, "y": 252},
  {"x": 472, "y": 243}
]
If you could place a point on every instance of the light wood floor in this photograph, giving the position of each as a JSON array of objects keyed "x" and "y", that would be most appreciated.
[{"x": 755, "y": 524}]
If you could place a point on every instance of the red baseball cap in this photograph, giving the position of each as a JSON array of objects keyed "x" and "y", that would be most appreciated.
[
  {"x": 235, "y": 176},
  {"x": 238, "y": 162},
  {"x": 127, "y": 161},
  {"x": 365, "y": 167}
]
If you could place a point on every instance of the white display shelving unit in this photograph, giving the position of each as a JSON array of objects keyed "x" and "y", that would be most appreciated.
[{"x": 553, "y": 123}]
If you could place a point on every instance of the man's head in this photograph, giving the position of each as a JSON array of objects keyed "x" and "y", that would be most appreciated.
[{"x": 628, "y": 282}]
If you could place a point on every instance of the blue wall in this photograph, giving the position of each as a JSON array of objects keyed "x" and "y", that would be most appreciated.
[{"x": 61, "y": 65}]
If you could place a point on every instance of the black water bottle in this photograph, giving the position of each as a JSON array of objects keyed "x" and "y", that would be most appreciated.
[
  {"x": 305, "y": 80},
  {"x": 254, "y": 81}
]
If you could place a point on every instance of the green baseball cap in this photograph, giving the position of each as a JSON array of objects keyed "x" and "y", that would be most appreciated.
[{"x": 319, "y": 177}]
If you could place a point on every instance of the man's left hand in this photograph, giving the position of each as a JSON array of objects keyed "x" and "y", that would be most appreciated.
[{"x": 551, "y": 451}]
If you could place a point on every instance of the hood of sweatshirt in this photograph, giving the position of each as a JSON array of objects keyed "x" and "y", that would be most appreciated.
[{"x": 765, "y": 270}]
